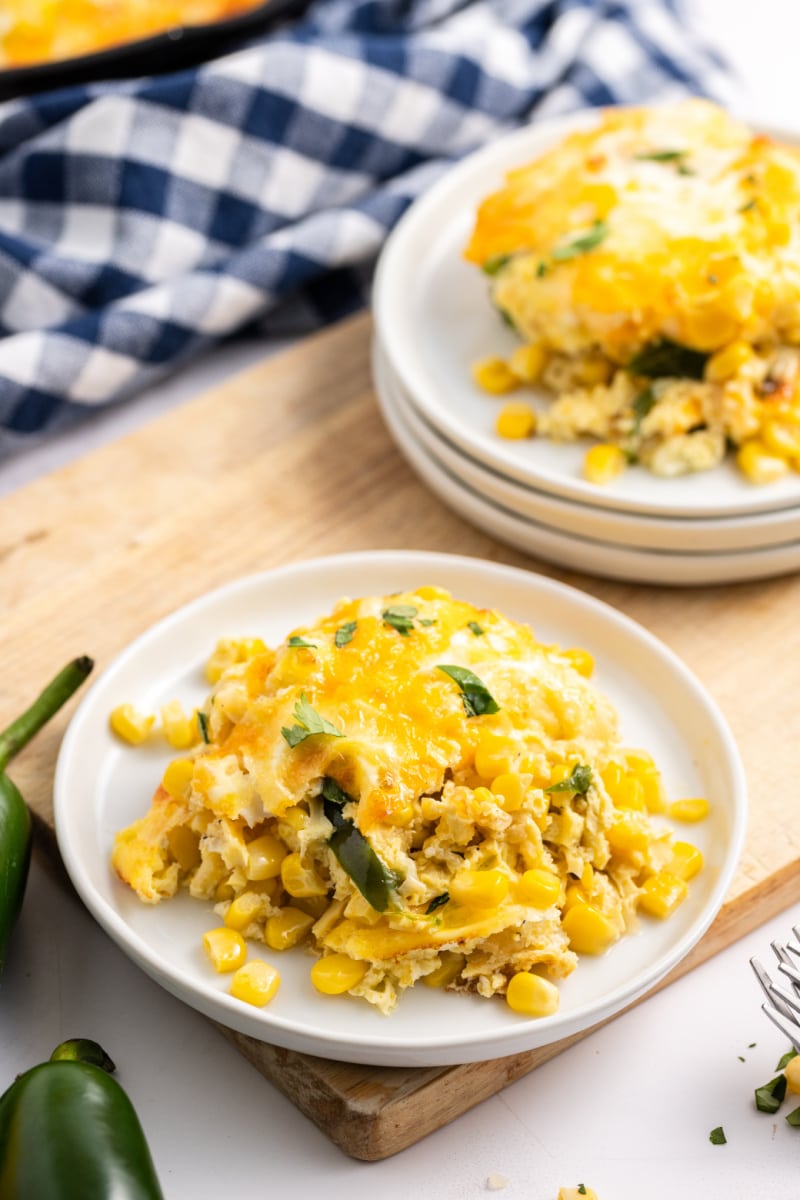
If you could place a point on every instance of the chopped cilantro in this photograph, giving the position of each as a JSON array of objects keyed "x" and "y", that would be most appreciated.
[
  {"x": 751, "y": 204},
  {"x": 581, "y": 245},
  {"x": 202, "y": 724},
  {"x": 495, "y": 263},
  {"x": 353, "y": 852},
  {"x": 400, "y": 617},
  {"x": 642, "y": 405},
  {"x": 579, "y": 781},
  {"x": 770, "y": 1097},
  {"x": 298, "y": 641},
  {"x": 308, "y": 722},
  {"x": 427, "y": 621},
  {"x": 662, "y": 156},
  {"x": 793, "y": 1118},
  {"x": 582, "y": 1190},
  {"x": 740, "y": 1057},
  {"x": 437, "y": 902},
  {"x": 475, "y": 627},
  {"x": 717, "y": 1137},
  {"x": 344, "y": 633},
  {"x": 751, "y": 1045},
  {"x": 787, "y": 1058},
  {"x": 476, "y": 696},
  {"x": 541, "y": 269}
]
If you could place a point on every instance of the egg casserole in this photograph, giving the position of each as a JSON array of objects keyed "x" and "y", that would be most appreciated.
[
  {"x": 39, "y": 31},
  {"x": 415, "y": 789},
  {"x": 651, "y": 266}
]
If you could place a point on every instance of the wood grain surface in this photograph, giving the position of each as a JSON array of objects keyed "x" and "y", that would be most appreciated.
[{"x": 291, "y": 460}]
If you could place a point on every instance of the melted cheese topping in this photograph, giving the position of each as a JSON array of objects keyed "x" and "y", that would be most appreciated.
[
  {"x": 39, "y": 31},
  {"x": 418, "y": 766},
  {"x": 703, "y": 242}
]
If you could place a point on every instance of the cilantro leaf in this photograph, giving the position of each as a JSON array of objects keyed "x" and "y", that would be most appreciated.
[
  {"x": 427, "y": 621},
  {"x": 717, "y": 1137},
  {"x": 344, "y": 633},
  {"x": 475, "y": 627},
  {"x": 787, "y": 1058},
  {"x": 477, "y": 698},
  {"x": 298, "y": 641},
  {"x": 400, "y": 617},
  {"x": 202, "y": 724},
  {"x": 642, "y": 405},
  {"x": 581, "y": 245},
  {"x": 308, "y": 722},
  {"x": 793, "y": 1118},
  {"x": 582, "y": 1190},
  {"x": 770, "y": 1097},
  {"x": 579, "y": 781},
  {"x": 437, "y": 902}
]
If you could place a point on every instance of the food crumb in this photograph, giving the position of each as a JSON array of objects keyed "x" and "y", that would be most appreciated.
[{"x": 496, "y": 1182}]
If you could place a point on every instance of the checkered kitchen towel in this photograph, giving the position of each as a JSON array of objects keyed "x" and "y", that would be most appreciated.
[{"x": 140, "y": 221}]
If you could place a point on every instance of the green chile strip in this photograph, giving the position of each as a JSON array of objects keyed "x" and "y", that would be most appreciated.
[{"x": 353, "y": 852}]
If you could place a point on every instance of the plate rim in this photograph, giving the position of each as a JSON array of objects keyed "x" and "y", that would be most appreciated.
[
  {"x": 420, "y": 385},
  {"x": 426, "y": 1051}
]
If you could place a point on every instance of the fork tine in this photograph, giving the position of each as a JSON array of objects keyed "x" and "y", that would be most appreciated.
[
  {"x": 786, "y": 1026},
  {"x": 780, "y": 952},
  {"x": 791, "y": 972},
  {"x": 769, "y": 990},
  {"x": 790, "y": 1000}
]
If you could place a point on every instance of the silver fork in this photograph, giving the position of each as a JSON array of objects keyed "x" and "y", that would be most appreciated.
[{"x": 783, "y": 1003}]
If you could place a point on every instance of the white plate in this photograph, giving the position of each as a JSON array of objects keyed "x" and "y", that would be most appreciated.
[
  {"x": 101, "y": 786},
  {"x": 433, "y": 316},
  {"x": 688, "y": 536},
  {"x": 575, "y": 552}
]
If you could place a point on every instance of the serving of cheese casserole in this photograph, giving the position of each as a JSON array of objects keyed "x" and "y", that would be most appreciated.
[
  {"x": 39, "y": 31},
  {"x": 651, "y": 266},
  {"x": 414, "y": 789}
]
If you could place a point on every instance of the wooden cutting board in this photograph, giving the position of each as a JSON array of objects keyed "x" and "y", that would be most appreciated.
[{"x": 288, "y": 461}]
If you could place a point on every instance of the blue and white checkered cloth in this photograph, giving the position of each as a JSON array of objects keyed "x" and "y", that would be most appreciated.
[{"x": 142, "y": 220}]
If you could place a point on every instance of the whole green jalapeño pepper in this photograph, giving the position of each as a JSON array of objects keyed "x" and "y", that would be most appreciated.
[
  {"x": 69, "y": 1132},
  {"x": 15, "y": 819}
]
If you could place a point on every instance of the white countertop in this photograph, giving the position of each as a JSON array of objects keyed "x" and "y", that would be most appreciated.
[{"x": 627, "y": 1111}]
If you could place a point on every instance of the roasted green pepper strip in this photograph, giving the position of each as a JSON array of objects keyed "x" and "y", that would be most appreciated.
[
  {"x": 15, "y": 821},
  {"x": 69, "y": 1132}
]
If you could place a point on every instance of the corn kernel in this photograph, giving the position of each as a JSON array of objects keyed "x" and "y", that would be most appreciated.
[
  {"x": 686, "y": 860},
  {"x": 603, "y": 462},
  {"x": 792, "y": 1073},
  {"x": 689, "y": 810},
  {"x": 495, "y": 755},
  {"x": 528, "y": 362},
  {"x": 184, "y": 846},
  {"x": 225, "y": 948},
  {"x": 661, "y": 894},
  {"x": 300, "y": 879},
  {"x": 760, "y": 465},
  {"x": 515, "y": 421},
  {"x": 628, "y": 836},
  {"x": 295, "y": 817},
  {"x": 401, "y": 813},
  {"x": 180, "y": 731},
  {"x": 539, "y": 888},
  {"x": 287, "y": 928},
  {"x": 581, "y": 661},
  {"x": 243, "y": 910},
  {"x": 450, "y": 965},
  {"x": 531, "y": 995},
  {"x": 229, "y": 651},
  {"x": 611, "y": 775},
  {"x": 574, "y": 894},
  {"x": 593, "y": 370},
  {"x": 264, "y": 857},
  {"x": 336, "y": 973},
  {"x": 177, "y": 778},
  {"x": 129, "y": 724},
  {"x": 479, "y": 889},
  {"x": 494, "y": 375},
  {"x": 588, "y": 930},
  {"x": 781, "y": 437},
  {"x": 255, "y": 983},
  {"x": 727, "y": 362},
  {"x": 510, "y": 790},
  {"x": 630, "y": 794}
]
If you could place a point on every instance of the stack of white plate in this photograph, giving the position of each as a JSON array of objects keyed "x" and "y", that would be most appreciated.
[{"x": 434, "y": 319}]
